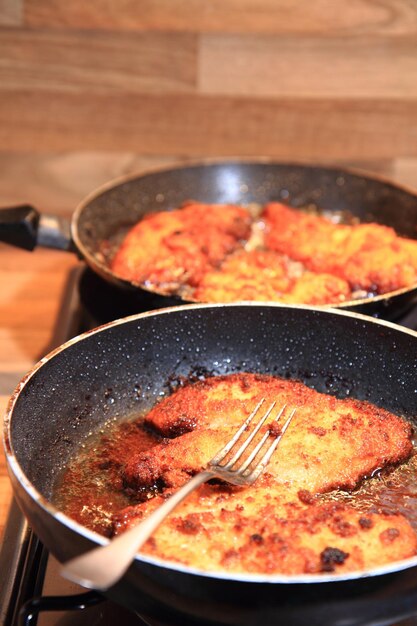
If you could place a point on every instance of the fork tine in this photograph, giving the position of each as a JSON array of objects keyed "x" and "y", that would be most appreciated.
[
  {"x": 260, "y": 466},
  {"x": 224, "y": 451},
  {"x": 255, "y": 451},
  {"x": 247, "y": 441},
  {"x": 102, "y": 567}
]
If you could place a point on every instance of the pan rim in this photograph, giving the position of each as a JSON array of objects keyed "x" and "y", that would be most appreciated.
[
  {"x": 105, "y": 271},
  {"x": 16, "y": 470}
]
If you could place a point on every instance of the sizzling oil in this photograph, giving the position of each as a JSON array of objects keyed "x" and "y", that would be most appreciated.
[
  {"x": 388, "y": 492},
  {"x": 91, "y": 490}
]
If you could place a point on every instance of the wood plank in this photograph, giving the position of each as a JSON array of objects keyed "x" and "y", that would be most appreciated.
[
  {"x": 5, "y": 486},
  {"x": 11, "y": 12},
  {"x": 87, "y": 62},
  {"x": 29, "y": 302},
  {"x": 228, "y": 16},
  {"x": 361, "y": 67},
  {"x": 56, "y": 182},
  {"x": 194, "y": 125},
  {"x": 405, "y": 172},
  {"x": 31, "y": 288}
]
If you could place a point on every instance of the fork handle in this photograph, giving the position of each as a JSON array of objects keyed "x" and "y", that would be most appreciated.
[{"x": 102, "y": 567}]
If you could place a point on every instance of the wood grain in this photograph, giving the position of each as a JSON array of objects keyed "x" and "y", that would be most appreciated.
[
  {"x": 31, "y": 288},
  {"x": 228, "y": 16},
  {"x": 11, "y": 12},
  {"x": 360, "y": 67},
  {"x": 95, "y": 62},
  {"x": 56, "y": 182},
  {"x": 193, "y": 125},
  {"x": 5, "y": 486}
]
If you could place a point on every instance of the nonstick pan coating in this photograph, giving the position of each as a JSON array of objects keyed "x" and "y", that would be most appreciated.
[
  {"x": 107, "y": 213},
  {"x": 97, "y": 377}
]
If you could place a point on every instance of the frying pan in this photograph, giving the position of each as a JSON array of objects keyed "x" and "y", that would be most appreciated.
[
  {"x": 95, "y": 378},
  {"x": 101, "y": 220}
]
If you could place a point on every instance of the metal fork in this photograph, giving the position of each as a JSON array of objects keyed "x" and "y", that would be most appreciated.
[{"x": 102, "y": 567}]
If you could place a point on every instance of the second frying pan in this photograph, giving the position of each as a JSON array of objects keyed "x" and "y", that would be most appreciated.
[{"x": 101, "y": 220}]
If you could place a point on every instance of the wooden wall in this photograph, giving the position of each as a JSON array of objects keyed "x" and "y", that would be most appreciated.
[{"x": 91, "y": 90}]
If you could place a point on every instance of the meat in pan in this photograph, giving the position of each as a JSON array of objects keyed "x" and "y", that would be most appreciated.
[
  {"x": 370, "y": 257},
  {"x": 172, "y": 249},
  {"x": 227, "y": 529},
  {"x": 286, "y": 522},
  {"x": 264, "y": 275},
  {"x": 331, "y": 443},
  {"x": 226, "y": 253},
  {"x": 347, "y": 355}
]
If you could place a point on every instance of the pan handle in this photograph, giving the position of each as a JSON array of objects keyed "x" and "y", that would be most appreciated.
[{"x": 24, "y": 227}]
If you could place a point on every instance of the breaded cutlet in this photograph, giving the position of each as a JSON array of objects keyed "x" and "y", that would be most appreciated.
[
  {"x": 331, "y": 443},
  {"x": 370, "y": 257},
  {"x": 168, "y": 249},
  {"x": 261, "y": 530},
  {"x": 264, "y": 275},
  {"x": 285, "y": 522}
]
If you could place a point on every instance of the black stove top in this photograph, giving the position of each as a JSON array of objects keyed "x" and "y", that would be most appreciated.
[{"x": 31, "y": 590}]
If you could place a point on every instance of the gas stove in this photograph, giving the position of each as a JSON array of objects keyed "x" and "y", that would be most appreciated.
[{"x": 31, "y": 590}]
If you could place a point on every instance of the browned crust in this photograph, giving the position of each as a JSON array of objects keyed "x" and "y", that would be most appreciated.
[
  {"x": 279, "y": 524},
  {"x": 199, "y": 252}
]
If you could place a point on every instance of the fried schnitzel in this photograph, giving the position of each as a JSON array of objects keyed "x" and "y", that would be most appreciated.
[
  {"x": 223, "y": 253},
  {"x": 330, "y": 443},
  {"x": 259, "y": 530},
  {"x": 169, "y": 249},
  {"x": 370, "y": 257},
  {"x": 300, "y": 517},
  {"x": 279, "y": 524},
  {"x": 264, "y": 275}
]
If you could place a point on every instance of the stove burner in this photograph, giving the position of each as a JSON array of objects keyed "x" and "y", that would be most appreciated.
[
  {"x": 78, "y": 602},
  {"x": 103, "y": 302}
]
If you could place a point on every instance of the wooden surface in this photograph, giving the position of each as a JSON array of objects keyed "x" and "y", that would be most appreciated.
[
  {"x": 31, "y": 286},
  {"x": 91, "y": 91},
  {"x": 305, "y": 80}
]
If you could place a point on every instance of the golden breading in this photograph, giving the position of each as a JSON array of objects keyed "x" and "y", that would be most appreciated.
[
  {"x": 171, "y": 248},
  {"x": 255, "y": 275},
  {"x": 221, "y": 253},
  {"x": 370, "y": 257},
  {"x": 317, "y": 289},
  {"x": 261, "y": 531},
  {"x": 267, "y": 276},
  {"x": 330, "y": 443},
  {"x": 217, "y": 401},
  {"x": 302, "y": 236},
  {"x": 284, "y": 523}
]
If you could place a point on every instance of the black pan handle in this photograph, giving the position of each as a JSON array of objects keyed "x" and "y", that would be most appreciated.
[
  {"x": 19, "y": 226},
  {"x": 24, "y": 227}
]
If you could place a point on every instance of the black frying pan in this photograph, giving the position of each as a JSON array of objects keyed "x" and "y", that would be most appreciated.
[
  {"x": 67, "y": 395},
  {"x": 106, "y": 214}
]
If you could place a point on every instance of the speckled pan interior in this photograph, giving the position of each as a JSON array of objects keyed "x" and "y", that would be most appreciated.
[
  {"x": 107, "y": 213},
  {"x": 124, "y": 368}
]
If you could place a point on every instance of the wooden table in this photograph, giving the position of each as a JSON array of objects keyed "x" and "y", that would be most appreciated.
[{"x": 31, "y": 286}]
